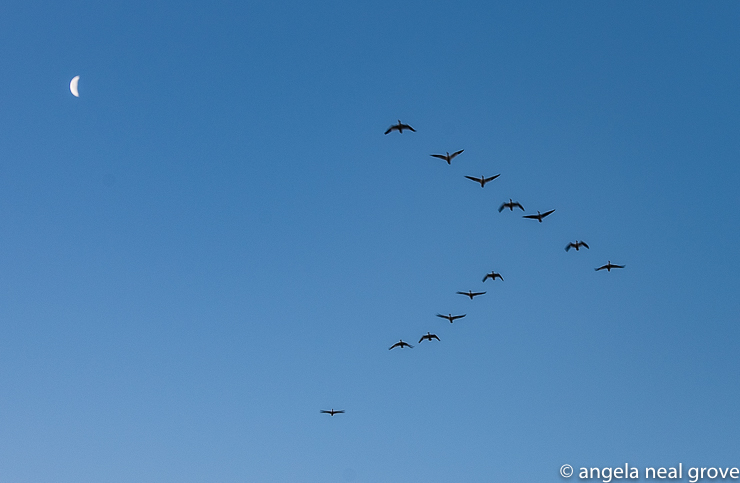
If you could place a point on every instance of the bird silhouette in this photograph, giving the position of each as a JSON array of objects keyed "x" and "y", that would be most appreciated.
[
  {"x": 332, "y": 412},
  {"x": 471, "y": 294},
  {"x": 493, "y": 276},
  {"x": 451, "y": 317},
  {"x": 510, "y": 205},
  {"x": 609, "y": 266},
  {"x": 447, "y": 157},
  {"x": 428, "y": 337},
  {"x": 483, "y": 180},
  {"x": 577, "y": 245},
  {"x": 400, "y": 344},
  {"x": 539, "y": 216},
  {"x": 400, "y": 127}
]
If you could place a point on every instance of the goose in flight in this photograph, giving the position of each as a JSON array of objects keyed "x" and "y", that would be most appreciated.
[
  {"x": 400, "y": 127},
  {"x": 451, "y": 317},
  {"x": 539, "y": 216},
  {"x": 400, "y": 344},
  {"x": 471, "y": 294},
  {"x": 510, "y": 205},
  {"x": 483, "y": 180},
  {"x": 609, "y": 266},
  {"x": 493, "y": 276},
  {"x": 447, "y": 157},
  {"x": 332, "y": 412},
  {"x": 428, "y": 337},
  {"x": 577, "y": 245}
]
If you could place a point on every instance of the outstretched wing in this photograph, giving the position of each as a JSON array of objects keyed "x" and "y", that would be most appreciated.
[
  {"x": 474, "y": 294},
  {"x": 456, "y": 153},
  {"x": 391, "y": 129},
  {"x": 394, "y": 345},
  {"x": 486, "y": 180},
  {"x": 547, "y": 213},
  {"x": 433, "y": 336},
  {"x": 517, "y": 204},
  {"x": 584, "y": 245},
  {"x": 569, "y": 246},
  {"x": 531, "y": 217},
  {"x": 440, "y": 156},
  {"x": 477, "y": 180},
  {"x": 488, "y": 275},
  {"x": 455, "y": 317},
  {"x": 600, "y": 268},
  {"x": 501, "y": 208},
  {"x": 618, "y": 266},
  {"x": 406, "y": 126}
]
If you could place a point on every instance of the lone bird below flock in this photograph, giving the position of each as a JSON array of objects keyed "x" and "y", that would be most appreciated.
[
  {"x": 539, "y": 216},
  {"x": 400, "y": 344},
  {"x": 471, "y": 294},
  {"x": 609, "y": 266},
  {"x": 447, "y": 157},
  {"x": 428, "y": 337},
  {"x": 493, "y": 276},
  {"x": 400, "y": 127},
  {"x": 332, "y": 412},
  {"x": 576, "y": 245},
  {"x": 483, "y": 180},
  {"x": 510, "y": 205},
  {"x": 451, "y": 317}
]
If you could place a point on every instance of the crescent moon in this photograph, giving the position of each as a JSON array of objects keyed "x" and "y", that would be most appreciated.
[{"x": 73, "y": 86}]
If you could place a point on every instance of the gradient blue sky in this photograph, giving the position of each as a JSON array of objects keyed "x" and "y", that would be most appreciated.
[{"x": 216, "y": 240}]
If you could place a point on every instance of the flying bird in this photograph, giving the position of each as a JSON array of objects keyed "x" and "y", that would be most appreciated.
[
  {"x": 493, "y": 276},
  {"x": 539, "y": 216},
  {"x": 471, "y": 294},
  {"x": 447, "y": 157},
  {"x": 577, "y": 245},
  {"x": 400, "y": 344},
  {"x": 428, "y": 337},
  {"x": 609, "y": 266},
  {"x": 510, "y": 205},
  {"x": 483, "y": 180},
  {"x": 400, "y": 127},
  {"x": 332, "y": 412},
  {"x": 451, "y": 317}
]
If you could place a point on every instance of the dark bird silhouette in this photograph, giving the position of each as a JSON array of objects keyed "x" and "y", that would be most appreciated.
[
  {"x": 483, "y": 180},
  {"x": 400, "y": 344},
  {"x": 510, "y": 205},
  {"x": 609, "y": 266},
  {"x": 447, "y": 157},
  {"x": 451, "y": 317},
  {"x": 493, "y": 276},
  {"x": 400, "y": 127},
  {"x": 332, "y": 412},
  {"x": 471, "y": 294},
  {"x": 428, "y": 337},
  {"x": 539, "y": 216},
  {"x": 577, "y": 245}
]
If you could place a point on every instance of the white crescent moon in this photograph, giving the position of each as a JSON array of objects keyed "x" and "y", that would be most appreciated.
[{"x": 73, "y": 86}]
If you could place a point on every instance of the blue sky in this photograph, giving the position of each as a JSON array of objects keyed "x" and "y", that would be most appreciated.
[{"x": 216, "y": 240}]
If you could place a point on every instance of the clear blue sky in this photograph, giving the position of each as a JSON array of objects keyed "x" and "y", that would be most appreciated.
[{"x": 216, "y": 240}]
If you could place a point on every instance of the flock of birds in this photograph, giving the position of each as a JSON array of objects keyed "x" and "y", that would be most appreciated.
[{"x": 511, "y": 204}]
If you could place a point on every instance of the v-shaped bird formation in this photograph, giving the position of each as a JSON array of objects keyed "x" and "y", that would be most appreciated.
[{"x": 511, "y": 204}]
